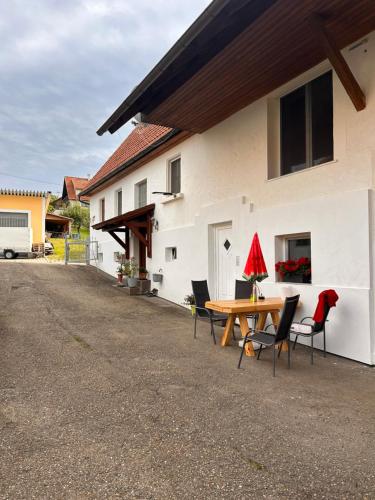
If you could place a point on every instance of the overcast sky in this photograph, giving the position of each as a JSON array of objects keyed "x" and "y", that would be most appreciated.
[{"x": 64, "y": 67}]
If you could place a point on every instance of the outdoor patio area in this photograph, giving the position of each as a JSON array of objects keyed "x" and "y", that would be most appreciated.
[{"x": 103, "y": 395}]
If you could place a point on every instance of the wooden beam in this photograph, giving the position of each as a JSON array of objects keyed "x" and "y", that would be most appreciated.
[
  {"x": 139, "y": 224},
  {"x": 119, "y": 240},
  {"x": 337, "y": 60},
  {"x": 149, "y": 237},
  {"x": 137, "y": 233},
  {"x": 127, "y": 243}
]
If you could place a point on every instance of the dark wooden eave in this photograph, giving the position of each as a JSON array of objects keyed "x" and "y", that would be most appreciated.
[
  {"x": 275, "y": 46},
  {"x": 212, "y": 31},
  {"x": 138, "y": 221}
]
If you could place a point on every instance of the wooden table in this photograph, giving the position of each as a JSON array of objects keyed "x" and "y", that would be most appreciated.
[{"x": 241, "y": 308}]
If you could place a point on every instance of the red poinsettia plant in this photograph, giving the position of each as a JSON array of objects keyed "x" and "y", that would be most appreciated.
[{"x": 289, "y": 268}]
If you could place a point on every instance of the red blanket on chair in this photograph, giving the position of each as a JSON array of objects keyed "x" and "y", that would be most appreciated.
[{"x": 328, "y": 297}]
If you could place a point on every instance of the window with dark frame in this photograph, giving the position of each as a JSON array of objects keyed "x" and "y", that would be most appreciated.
[
  {"x": 306, "y": 125},
  {"x": 102, "y": 209},
  {"x": 119, "y": 201},
  {"x": 174, "y": 175}
]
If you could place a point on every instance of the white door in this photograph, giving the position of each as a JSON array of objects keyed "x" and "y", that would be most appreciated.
[{"x": 224, "y": 262}]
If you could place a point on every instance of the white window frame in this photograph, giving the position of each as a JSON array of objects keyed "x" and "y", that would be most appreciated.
[
  {"x": 282, "y": 248},
  {"x": 119, "y": 190},
  {"x": 136, "y": 193},
  {"x": 169, "y": 172}
]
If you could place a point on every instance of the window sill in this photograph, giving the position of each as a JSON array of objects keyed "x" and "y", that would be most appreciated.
[
  {"x": 174, "y": 197},
  {"x": 302, "y": 171}
]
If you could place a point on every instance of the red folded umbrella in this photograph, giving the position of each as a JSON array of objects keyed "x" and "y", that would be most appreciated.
[{"x": 255, "y": 269}]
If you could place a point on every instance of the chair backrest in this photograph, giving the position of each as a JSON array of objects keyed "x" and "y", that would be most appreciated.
[
  {"x": 201, "y": 295},
  {"x": 318, "y": 327},
  {"x": 243, "y": 289},
  {"x": 287, "y": 316}
]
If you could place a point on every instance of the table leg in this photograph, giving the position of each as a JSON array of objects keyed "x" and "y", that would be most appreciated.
[
  {"x": 276, "y": 320},
  {"x": 244, "y": 327},
  {"x": 225, "y": 340},
  {"x": 262, "y": 316}
]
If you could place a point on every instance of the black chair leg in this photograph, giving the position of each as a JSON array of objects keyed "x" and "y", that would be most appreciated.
[
  {"x": 242, "y": 351},
  {"x": 213, "y": 332},
  {"x": 312, "y": 349},
  {"x": 324, "y": 339},
  {"x": 295, "y": 342},
  {"x": 259, "y": 351},
  {"x": 195, "y": 325},
  {"x": 289, "y": 351},
  {"x": 274, "y": 361}
]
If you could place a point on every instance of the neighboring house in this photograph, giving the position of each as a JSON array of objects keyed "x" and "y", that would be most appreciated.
[
  {"x": 72, "y": 188},
  {"x": 25, "y": 209},
  {"x": 264, "y": 125},
  {"x": 58, "y": 225}
]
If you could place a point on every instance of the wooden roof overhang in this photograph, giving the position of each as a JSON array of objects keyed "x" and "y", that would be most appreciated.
[
  {"x": 138, "y": 221},
  {"x": 242, "y": 53}
]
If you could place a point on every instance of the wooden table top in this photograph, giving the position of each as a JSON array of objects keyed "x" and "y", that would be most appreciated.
[{"x": 245, "y": 306}]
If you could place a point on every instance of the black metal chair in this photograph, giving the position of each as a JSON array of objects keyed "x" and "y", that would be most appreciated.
[
  {"x": 313, "y": 328},
  {"x": 266, "y": 339},
  {"x": 201, "y": 296},
  {"x": 243, "y": 290}
]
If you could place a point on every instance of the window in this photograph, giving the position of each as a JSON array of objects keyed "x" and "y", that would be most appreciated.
[
  {"x": 306, "y": 122},
  {"x": 14, "y": 219},
  {"x": 102, "y": 209},
  {"x": 293, "y": 258},
  {"x": 119, "y": 202},
  {"x": 174, "y": 175},
  {"x": 141, "y": 194},
  {"x": 298, "y": 247},
  {"x": 170, "y": 254}
]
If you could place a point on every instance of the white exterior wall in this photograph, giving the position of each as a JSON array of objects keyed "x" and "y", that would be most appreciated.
[{"x": 224, "y": 177}]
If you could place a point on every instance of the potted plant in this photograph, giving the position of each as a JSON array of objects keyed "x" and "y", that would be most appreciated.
[
  {"x": 120, "y": 274},
  {"x": 189, "y": 300},
  {"x": 133, "y": 268},
  {"x": 142, "y": 273},
  {"x": 295, "y": 271}
]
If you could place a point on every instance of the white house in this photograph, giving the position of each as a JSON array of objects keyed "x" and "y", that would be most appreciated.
[{"x": 256, "y": 121}]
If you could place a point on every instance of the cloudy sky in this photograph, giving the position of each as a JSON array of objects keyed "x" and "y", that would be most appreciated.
[{"x": 64, "y": 67}]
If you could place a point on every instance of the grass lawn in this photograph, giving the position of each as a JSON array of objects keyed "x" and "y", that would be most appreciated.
[{"x": 59, "y": 245}]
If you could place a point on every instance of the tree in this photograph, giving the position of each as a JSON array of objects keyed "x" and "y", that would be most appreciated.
[
  {"x": 80, "y": 216},
  {"x": 52, "y": 201}
]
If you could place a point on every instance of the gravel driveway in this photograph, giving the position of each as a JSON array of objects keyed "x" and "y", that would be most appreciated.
[{"x": 107, "y": 396}]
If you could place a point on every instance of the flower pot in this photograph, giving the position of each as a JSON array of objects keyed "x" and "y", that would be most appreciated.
[
  {"x": 132, "y": 282},
  {"x": 143, "y": 276},
  {"x": 119, "y": 278}
]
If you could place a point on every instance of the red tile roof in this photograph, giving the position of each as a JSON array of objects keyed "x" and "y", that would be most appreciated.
[
  {"x": 143, "y": 136},
  {"x": 74, "y": 183}
]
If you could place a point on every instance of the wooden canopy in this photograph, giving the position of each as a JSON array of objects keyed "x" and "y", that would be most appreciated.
[
  {"x": 58, "y": 223},
  {"x": 139, "y": 222},
  {"x": 239, "y": 51}
]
